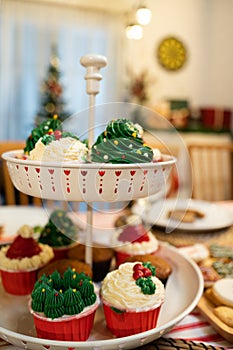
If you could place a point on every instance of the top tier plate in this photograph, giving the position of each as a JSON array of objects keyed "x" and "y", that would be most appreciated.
[{"x": 89, "y": 182}]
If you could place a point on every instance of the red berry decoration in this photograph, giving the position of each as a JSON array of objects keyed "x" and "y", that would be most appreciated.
[
  {"x": 142, "y": 275},
  {"x": 138, "y": 274},
  {"x": 147, "y": 272},
  {"x": 57, "y": 134},
  {"x": 138, "y": 267}
]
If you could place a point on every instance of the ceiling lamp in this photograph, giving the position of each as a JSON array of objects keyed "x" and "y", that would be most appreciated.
[
  {"x": 143, "y": 15},
  {"x": 134, "y": 31}
]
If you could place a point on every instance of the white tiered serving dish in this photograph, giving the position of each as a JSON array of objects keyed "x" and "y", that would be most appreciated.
[
  {"x": 183, "y": 291},
  {"x": 88, "y": 182}
]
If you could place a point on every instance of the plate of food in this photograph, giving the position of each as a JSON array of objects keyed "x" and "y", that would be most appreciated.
[
  {"x": 188, "y": 215},
  {"x": 183, "y": 290},
  {"x": 216, "y": 305}
]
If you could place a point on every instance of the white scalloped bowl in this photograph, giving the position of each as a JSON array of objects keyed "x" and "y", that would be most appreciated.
[{"x": 88, "y": 182}]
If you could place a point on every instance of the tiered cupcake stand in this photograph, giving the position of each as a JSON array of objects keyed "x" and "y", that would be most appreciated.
[{"x": 89, "y": 183}]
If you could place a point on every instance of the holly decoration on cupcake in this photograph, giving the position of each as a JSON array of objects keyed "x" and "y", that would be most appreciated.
[{"x": 142, "y": 274}]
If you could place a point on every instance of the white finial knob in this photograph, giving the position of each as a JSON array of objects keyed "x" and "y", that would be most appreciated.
[{"x": 93, "y": 63}]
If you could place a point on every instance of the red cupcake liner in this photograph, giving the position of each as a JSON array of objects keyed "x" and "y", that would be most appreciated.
[
  {"x": 70, "y": 328},
  {"x": 121, "y": 257},
  {"x": 19, "y": 282},
  {"x": 123, "y": 324}
]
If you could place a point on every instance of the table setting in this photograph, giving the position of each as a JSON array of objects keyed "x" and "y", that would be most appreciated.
[
  {"x": 180, "y": 322},
  {"x": 187, "y": 324}
]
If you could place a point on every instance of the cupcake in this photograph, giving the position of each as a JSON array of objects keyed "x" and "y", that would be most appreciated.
[
  {"x": 162, "y": 267},
  {"x": 60, "y": 233},
  {"x": 133, "y": 239},
  {"x": 20, "y": 261},
  {"x": 132, "y": 297},
  {"x": 46, "y": 127},
  {"x": 121, "y": 142},
  {"x": 59, "y": 146},
  {"x": 101, "y": 259},
  {"x": 63, "y": 307}
]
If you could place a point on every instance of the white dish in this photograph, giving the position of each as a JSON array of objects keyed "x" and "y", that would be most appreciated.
[
  {"x": 215, "y": 216},
  {"x": 88, "y": 182},
  {"x": 13, "y": 217},
  {"x": 183, "y": 291}
]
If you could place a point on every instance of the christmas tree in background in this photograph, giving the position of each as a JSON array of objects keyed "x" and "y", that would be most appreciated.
[{"x": 52, "y": 101}]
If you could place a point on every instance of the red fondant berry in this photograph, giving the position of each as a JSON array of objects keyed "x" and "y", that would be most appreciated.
[
  {"x": 57, "y": 134},
  {"x": 138, "y": 267},
  {"x": 147, "y": 272},
  {"x": 138, "y": 274}
]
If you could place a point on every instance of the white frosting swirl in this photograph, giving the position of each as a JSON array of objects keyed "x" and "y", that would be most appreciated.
[
  {"x": 23, "y": 264},
  {"x": 135, "y": 248},
  {"x": 64, "y": 149},
  {"x": 119, "y": 289}
]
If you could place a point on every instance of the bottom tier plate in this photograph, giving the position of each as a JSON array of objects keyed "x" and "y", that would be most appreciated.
[{"x": 183, "y": 291}]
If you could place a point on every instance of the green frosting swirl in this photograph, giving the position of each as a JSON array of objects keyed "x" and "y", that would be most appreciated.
[
  {"x": 54, "y": 306},
  {"x": 121, "y": 142},
  {"x": 59, "y": 231},
  {"x": 73, "y": 302},
  {"x": 56, "y": 280},
  {"x": 47, "y": 126},
  {"x": 124, "y": 128},
  {"x": 70, "y": 278},
  {"x": 42, "y": 279},
  {"x": 86, "y": 289},
  {"x": 39, "y": 296}
]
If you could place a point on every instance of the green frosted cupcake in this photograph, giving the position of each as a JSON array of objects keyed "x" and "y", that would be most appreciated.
[
  {"x": 121, "y": 142},
  {"x": 63, "y": 308}
]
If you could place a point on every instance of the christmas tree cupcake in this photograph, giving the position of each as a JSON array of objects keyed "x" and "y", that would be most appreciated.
[
  {"x": 133, "y": 239},
  {"x": 46, "y": 127},
  {"x": 121, "y": 142},
  {"x": 20, "y": 262},
  {"x": 132, "y": 297},
  {"x": 60, "y": 233},
  {"x": 63, "y": 307}
]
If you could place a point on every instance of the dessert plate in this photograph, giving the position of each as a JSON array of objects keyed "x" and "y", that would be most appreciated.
[
  {"x": 12, "y": 217},
  {"x": 214, "y": 216},
  {"x": 183, "y": 291}
]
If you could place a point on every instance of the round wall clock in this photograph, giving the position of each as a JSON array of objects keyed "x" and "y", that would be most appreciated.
[{"x": 171, "y": 53}]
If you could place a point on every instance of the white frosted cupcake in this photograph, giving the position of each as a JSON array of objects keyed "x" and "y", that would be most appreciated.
[
  {"x": 59, "y": 146},
  {"x": 133, "y": 239},
  {"x": 132, "y": 297}
]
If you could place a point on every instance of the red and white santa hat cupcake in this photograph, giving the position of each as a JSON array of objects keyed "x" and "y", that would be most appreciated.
[{"x": 133, "y": 239}]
